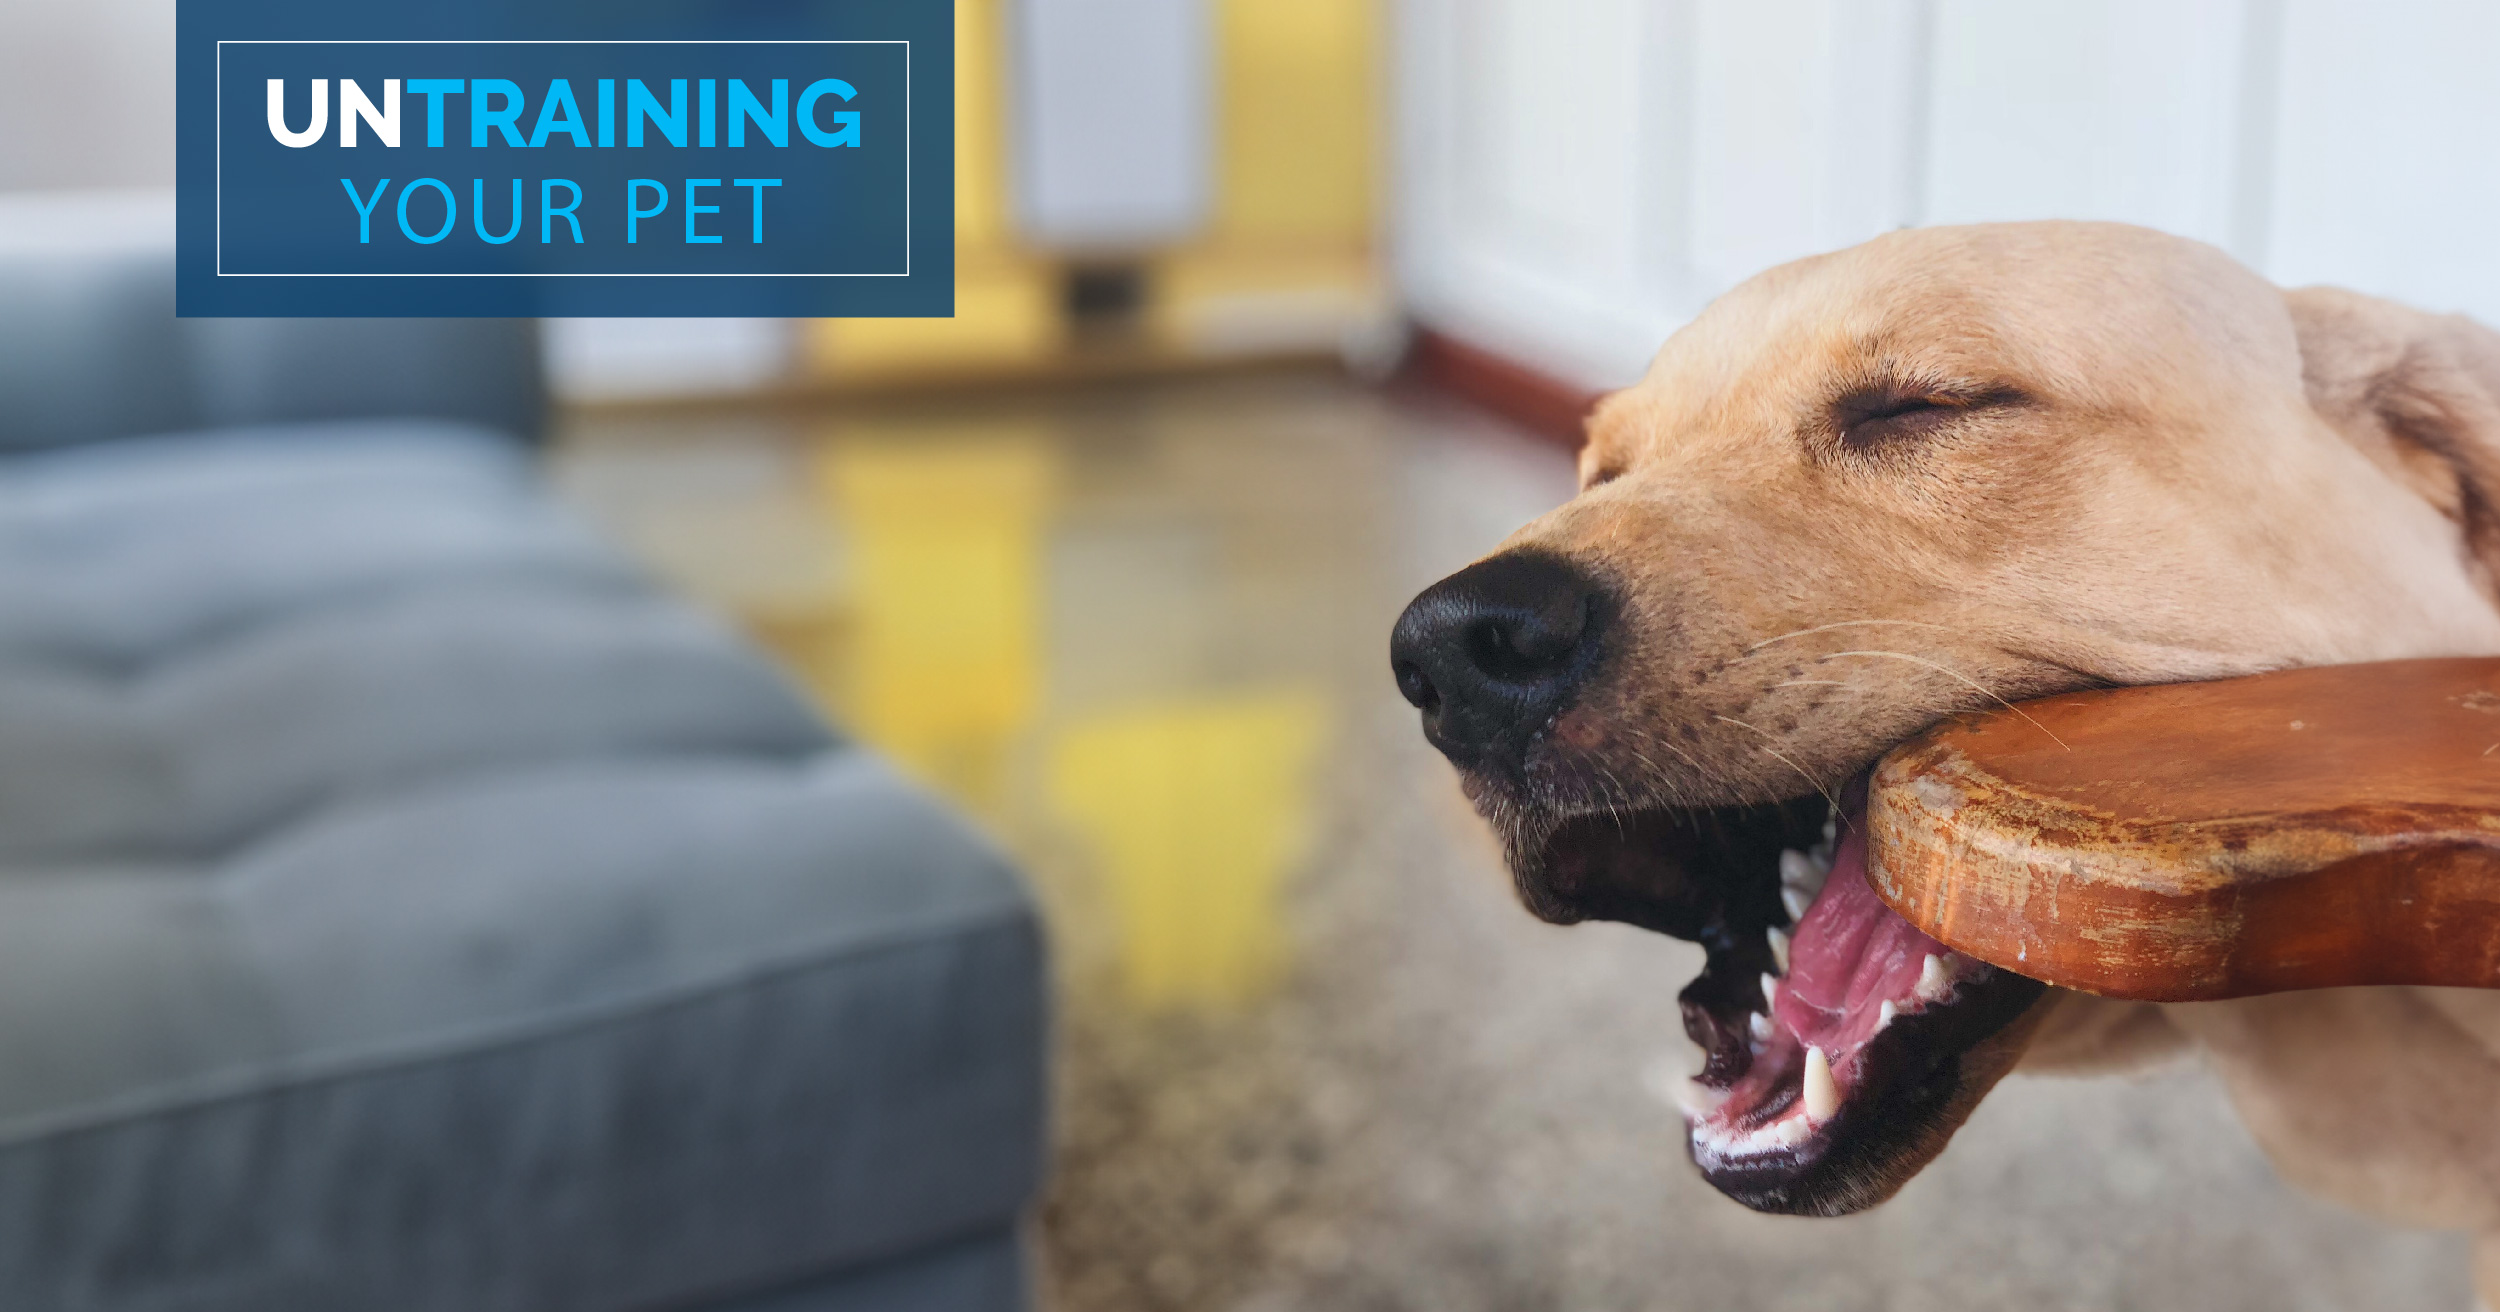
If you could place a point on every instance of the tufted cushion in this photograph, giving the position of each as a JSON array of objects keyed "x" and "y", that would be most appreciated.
[
  {"x": 116, "y": 553},
  {"x": 90, "y": 347},
  {"x": 594, "y": 1036},
  {"x": 404, "y": 906}
]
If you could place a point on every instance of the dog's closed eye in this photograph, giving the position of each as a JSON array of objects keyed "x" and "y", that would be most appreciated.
[{"x": 1889, "y": 414}]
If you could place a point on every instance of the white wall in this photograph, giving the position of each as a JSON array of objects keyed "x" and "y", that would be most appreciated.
[
  {"x": 86, "y": 94},
  {"x": 1578, "y": 177}
]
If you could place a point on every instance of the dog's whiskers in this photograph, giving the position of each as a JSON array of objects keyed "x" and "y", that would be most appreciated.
[
  {"x": 1654, "y": 774},
  {"x": 1836, "y": 624},
  {"x": 1784, "y": 760},
  {"x": 1649, "y": 737},
  {"x": 1950, "y": 672},
  {"x": 1615, "y": 798}
]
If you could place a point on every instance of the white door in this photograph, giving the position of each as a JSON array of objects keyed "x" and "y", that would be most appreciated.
[{"x": 1576, "y": 179}]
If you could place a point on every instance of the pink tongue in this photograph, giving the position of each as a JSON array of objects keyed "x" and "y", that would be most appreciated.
[{"x": 1848, "y": 956}]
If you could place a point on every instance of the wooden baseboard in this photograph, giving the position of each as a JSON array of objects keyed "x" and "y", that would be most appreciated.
[{"x": 1536, "y": 401}]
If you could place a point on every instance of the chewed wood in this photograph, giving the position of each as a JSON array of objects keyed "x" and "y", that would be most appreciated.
[{"x": 2303, "y": 829}]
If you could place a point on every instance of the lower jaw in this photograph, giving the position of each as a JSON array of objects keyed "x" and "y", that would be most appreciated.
[
  {"x": 1856, "y": 1073},
  {"x": 1912, "y": 1092}
]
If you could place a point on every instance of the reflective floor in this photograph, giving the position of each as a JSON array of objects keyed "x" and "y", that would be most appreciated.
[{"x": 1311, "y": 1053}]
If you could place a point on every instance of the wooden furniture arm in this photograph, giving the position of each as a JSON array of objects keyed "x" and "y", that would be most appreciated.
[{"x": 2303, "y": 829}]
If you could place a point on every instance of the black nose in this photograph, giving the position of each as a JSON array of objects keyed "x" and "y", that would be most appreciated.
[{"x": 1491, "y": 653}]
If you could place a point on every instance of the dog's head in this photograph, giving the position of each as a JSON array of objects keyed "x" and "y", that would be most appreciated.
[{"x": 1949, "y": 469}]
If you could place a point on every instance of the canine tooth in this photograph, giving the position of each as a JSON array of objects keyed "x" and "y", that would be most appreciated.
[
  {"x": 1797, "y": 900},
  {"x": 1821, "y": 1090},
  {"x": 1933, "y": 980},
  {"x": 1779, "y": 947},
  {"x": 1770, "y": 989},
  {"x": 1697, "y": 1099},
  {"x": 1884, "y": 1014},
  {"x": 1760, "y": 1025},
  {"x": 1802, "y": 870},
  {"x": 1666, "y": 1081}
]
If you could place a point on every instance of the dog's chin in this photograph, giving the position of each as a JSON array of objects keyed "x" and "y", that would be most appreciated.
[{"x": 1842, "y": 1047}]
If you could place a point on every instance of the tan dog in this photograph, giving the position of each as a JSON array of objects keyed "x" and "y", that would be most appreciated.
[{"x": 1948, "y": 468}]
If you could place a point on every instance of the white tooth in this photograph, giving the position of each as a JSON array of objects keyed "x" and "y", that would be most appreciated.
[
  {"x": 1770, "y": 989},
  {"x": 1821, "y": 1090},
  {"x": 1761, "y": 1027},
  {"x": 1697, "y": 1099},
  {"x": 1665, "y": 1079},
  {"x": 1831, "y": 830},
  {"x": 1801, "y": 870},
  {"x": 1779, "y": 948},
  {"x": 1797, "y": 900},
  {"x": 1884, "y": 1014},
  {"x": 1933, "y": 980}
]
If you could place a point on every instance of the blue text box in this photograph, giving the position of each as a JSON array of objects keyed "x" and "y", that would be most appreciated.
[{"x": 538, "y": 175}]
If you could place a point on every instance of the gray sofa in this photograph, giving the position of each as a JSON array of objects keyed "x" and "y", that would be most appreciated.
[{"x": 405, "y": 906}]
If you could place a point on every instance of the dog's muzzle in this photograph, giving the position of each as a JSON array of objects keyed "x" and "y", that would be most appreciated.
[{"x": 1492, "y": 654}]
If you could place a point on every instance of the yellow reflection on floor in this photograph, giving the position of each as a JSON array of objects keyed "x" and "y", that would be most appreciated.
[
  {"x": 1197, "y": 810},
  {"x": 944, "y": 648}
]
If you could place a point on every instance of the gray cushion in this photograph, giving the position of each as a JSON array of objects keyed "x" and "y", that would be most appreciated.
[
  {"x": 261, "y": 371},
  {"x": 112, "y": 554},
  {"x": 986, "y": 1274},
  {"x": 597, "y": 1036},
  {"x": 333, "y": 702},
  {"x": 90, "y": 348},
  {"x": 403, "y": 906}
]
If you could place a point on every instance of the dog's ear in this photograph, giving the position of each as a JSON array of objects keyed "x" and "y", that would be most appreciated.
[{"x": 2419, "y": 394}]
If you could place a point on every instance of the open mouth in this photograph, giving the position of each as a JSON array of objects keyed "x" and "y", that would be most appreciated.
[{"x": 1841, "y": 1045}]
